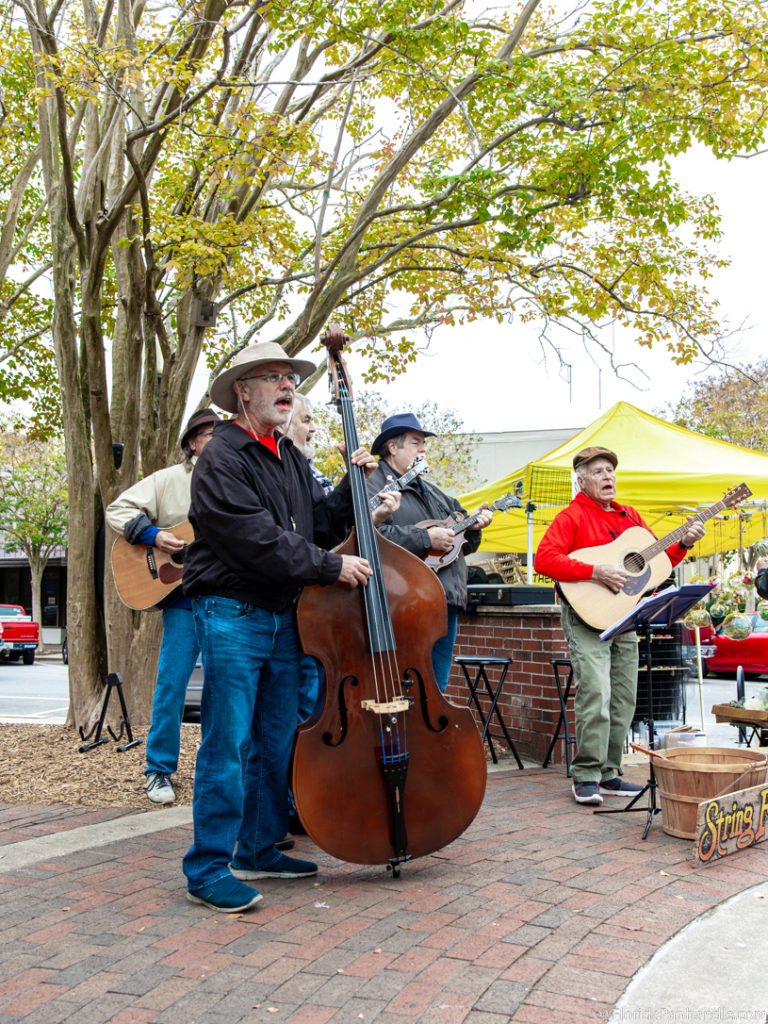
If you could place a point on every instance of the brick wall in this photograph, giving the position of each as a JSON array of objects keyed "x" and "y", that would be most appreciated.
[{"x": 530, "y": 635}]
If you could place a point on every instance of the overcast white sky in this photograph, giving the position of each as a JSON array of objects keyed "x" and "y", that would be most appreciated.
[{"x": 497, "y": 383}]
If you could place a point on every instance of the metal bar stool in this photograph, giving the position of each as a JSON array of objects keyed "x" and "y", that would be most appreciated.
[
  {"x": 562, "y": 722},
  {"x": 481, "y": 663}
]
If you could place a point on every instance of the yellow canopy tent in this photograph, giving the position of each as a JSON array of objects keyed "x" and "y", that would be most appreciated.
[{"x": 666, "y": 472}]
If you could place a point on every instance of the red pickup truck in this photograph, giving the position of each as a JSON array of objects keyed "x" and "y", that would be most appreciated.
[{"x": 20, "y": 635}]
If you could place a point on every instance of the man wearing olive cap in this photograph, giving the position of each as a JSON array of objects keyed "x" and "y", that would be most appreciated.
[{"x": 605, "y": 672}]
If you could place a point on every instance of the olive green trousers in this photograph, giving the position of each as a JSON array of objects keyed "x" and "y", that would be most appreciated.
[{"x": 605, "y": 677}]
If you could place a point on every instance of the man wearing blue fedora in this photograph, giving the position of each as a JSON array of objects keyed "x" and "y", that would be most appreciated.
[{"x": 401, "y": 441}]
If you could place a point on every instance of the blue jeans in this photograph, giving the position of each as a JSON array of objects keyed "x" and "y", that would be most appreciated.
[
  {"x": 309, "y": 685},
  {"x": 178, "y": 654},
  {"x": 442, "y": 652},
  {"x": 248, "y": 718}
]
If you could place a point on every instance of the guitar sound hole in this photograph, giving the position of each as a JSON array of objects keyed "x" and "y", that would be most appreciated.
[
  {"x": 634, "y": 562},
  {"x": 178, "y": 556}
]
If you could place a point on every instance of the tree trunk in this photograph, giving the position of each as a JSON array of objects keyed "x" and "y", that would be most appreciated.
[
  {"x": 36, "y": 570},
  {"x": 83, "y": 614}
]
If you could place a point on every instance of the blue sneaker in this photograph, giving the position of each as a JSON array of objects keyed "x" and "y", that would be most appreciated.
[
  {"x": 280, "y": 867},
  {"x": 619, "y": 787},
  {"x": 227, "y": 895}
]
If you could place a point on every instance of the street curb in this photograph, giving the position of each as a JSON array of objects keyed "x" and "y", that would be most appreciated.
[{"x": 32, "y": 851}]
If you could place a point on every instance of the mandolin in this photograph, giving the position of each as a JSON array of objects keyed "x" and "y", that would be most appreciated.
[{"x": 439, "y": 559}]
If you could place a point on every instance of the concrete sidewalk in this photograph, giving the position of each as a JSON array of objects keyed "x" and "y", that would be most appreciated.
[{"x": 542, "y": 911}]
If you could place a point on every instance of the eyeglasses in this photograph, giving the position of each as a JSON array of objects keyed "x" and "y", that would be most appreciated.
[
  {"x": 203, "y": 433},
  {"x": 273, "y": 377}
]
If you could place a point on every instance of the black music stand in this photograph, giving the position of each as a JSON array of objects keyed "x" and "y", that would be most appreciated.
[{"x": 657, "y": 610}]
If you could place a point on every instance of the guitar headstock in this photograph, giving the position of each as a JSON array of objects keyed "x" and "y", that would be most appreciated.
[
  {"x": 735, "y": 495},
  {"x": 508, "y": 501}
]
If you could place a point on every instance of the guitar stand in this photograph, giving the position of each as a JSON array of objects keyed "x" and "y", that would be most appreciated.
[{"x": 114, "y": 682}]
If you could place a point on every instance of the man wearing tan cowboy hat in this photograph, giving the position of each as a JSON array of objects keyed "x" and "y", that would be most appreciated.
[
  {"x": 262, "y": 532},
  {"x": 605, "y": 672},
  {"x": 143, "y": 514}
]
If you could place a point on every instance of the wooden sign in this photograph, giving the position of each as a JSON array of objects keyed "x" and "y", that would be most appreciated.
[{"x": 730, "y": 823}]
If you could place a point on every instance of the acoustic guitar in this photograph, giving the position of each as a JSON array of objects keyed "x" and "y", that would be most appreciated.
[
  {"x": 642, "y": 557},
  {"x": 439, "y": 559},
  {"x": 146, "y": 576}
]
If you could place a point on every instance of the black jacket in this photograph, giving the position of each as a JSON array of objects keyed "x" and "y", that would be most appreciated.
[
  {"x": 422, "y": 500},
  {"x": 261, "y": 523},
  {"x": 761, "y": 583}
]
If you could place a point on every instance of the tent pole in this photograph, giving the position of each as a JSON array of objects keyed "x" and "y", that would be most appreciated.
[{"x": 529, "y": 561}]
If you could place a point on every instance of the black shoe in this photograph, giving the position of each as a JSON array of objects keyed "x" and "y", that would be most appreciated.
[
  {"x": 286, "y": 843},
  {"x": 294, "y": 825},
  {"x": 586, "y": 793},
  {"x": 619, "y": 787},
  {"x": 281, "y": 867}
]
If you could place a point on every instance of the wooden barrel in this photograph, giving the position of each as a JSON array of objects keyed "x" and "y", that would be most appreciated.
[{"x": 688, "y": 775}]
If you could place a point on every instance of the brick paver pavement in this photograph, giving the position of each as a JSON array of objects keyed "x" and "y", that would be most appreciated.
[{"x": 541, "y": 912}]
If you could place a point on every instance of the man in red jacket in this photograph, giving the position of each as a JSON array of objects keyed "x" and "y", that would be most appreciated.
[{"x": 605, "y": 673}]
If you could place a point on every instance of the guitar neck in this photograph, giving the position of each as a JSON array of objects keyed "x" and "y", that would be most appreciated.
[{"x": 663, "y": 543}]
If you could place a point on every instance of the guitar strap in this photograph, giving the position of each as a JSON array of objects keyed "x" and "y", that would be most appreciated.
[{"x": 433, "y": 500}]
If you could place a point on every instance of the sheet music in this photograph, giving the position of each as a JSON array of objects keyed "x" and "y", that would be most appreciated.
[{"x": 659, "y": 609}]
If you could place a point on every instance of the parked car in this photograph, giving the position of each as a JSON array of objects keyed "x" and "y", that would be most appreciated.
[
  {"x": 20, "y": 634},
  {"x": 751, "y": 654},
  {"x": 194, "y": 694}
]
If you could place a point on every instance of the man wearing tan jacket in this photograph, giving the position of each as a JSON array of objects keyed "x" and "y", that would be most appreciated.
[{"x": 145, "y": 514}]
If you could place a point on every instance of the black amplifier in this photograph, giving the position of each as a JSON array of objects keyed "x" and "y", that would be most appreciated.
[{"x": 508, "y": 593}]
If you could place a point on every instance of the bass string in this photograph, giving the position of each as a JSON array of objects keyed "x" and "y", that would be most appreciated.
[
  {"x": 383, "y": 655},
  {"x": 382, "y": 646}
]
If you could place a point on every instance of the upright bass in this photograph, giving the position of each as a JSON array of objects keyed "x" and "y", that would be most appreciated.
[{"x": 388, "y": 769}]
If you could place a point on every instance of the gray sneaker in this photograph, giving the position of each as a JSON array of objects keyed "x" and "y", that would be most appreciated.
[
  {"x": 619, "y": 787},
  {"x": 159, "y": 788}
]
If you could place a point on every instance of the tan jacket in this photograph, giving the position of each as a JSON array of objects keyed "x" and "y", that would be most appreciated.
[{"x": 163, "y": 497}]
